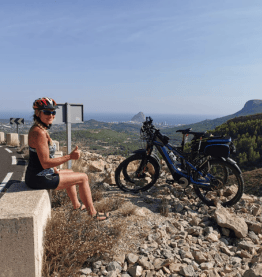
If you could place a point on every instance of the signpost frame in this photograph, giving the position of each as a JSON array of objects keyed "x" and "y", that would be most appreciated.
[{"x": 69, "y": 113}]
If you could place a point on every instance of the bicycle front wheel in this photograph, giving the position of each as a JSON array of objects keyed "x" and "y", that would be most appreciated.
[
  {"x": 136, "y": 174},
  {"x": 227, "y": 183}
]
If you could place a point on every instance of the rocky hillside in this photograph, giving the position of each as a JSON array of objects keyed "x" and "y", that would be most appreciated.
[{"x": 173, "y": 234}]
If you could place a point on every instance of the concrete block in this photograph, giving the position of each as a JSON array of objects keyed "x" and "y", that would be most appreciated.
[
  {"x": 23, "y": 216},
  {"x": 2, "y": 137},
  {"x": 12, "y": 139},
  {"x": 57, "y": 144},
  {"x": 23, "y": 140}
]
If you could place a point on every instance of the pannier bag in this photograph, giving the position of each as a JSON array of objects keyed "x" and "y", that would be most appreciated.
[
  {"x": 217, "y": 150},
  {"x": 212, "y": 141}
]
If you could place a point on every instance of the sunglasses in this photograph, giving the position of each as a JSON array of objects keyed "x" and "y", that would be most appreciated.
[{"x": 49, "y": 112}]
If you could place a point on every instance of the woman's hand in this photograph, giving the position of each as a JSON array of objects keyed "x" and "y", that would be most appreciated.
[{"x": 75, "y": 154}]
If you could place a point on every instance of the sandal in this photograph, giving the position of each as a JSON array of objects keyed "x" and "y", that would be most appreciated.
[
  {"x": 80, "y": 208},
  {"x": 98, "y": 216}
]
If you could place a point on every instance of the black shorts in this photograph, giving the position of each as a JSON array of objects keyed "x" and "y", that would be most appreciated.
[{"x": 49, "y": 181}]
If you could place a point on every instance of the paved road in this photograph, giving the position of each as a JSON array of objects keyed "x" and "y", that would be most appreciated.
[{"x": 12, "y": 167}]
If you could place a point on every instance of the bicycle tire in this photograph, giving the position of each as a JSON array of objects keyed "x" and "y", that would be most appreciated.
[
  {"x": 126, "y": 176},
  {"x": 230, "y": 188},
  {"x": 204, "y": 170}
]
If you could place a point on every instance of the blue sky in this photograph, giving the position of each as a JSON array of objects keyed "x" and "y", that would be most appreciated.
[{"x": 168, "y": 56}]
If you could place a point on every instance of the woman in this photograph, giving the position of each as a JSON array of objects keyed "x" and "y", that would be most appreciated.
[{"x": 42, "y": 173}]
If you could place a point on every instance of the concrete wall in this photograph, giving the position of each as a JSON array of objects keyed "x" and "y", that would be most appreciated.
[
  {"x": 2, "y": 137},
  {"x": 12, "y": 139},
  {"x": 23, "y": 216},
  {"x": 23, "y": 139}
]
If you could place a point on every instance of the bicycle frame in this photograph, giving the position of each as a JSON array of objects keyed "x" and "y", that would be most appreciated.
[{"x": 162, "y": 150}]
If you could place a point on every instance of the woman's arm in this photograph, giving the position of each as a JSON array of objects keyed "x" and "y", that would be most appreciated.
[{"x": 40, "y": 142}]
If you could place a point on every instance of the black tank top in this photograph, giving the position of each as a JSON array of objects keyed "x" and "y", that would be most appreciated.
[{"x": 34, "y": 161}]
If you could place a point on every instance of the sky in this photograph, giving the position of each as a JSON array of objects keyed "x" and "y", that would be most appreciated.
[{"x": 127, "y": 56}]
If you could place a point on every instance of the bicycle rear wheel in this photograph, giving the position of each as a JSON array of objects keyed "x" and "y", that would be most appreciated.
[
  {"x": 136, "y": 174},
  {"x": 228, "y": 185}
]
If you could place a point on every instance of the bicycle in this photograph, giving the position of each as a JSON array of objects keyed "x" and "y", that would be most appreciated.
[{"x": 208, "y": 167}]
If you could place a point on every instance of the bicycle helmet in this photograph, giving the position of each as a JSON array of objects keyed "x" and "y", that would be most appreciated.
[{"x": 44, "y": 103}]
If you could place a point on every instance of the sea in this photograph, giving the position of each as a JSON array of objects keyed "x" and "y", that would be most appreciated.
[{"x": 165, "y": 119}]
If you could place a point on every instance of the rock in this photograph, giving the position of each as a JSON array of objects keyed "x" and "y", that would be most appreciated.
[
  {"x": 112, "y": 266},
  {"x": 254, "y": 226},
  {"x": 135, "y": 271},
  {"x": 120, "y": 258},
  {"x": 256, "y": 210},
  {"x": 86, "y": 270},
  {"x": 112, "y": 273},
  {"x": 131, "y": 258},
  {"x": 143, "y": 261},
  {"x": 255, "y": 271},
  {"x": 257, "y": 259},
  {"x": 189, "y": 242},
  {"x": 231, "y": 221},
  {"x": 199, "y": 257},
  {"x": 140, "y": 117},
  {"x": 176, "y": 267},
  {"x": 187, "y": 271},
  {"x": 204, "y": 266},
  {"x": 212, "y": 237},
  {"x": 97, "y": 166},
  {"x": 247, "y": 246},
  {"x": 178, "y": 207}
]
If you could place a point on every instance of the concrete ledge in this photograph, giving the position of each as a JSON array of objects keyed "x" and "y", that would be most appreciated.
[{"x": 23, "y": 216}]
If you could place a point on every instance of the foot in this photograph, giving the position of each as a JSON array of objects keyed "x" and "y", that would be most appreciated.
[
  {"x": 100, "y": 216},
  {"x": 80, "y": 207}
]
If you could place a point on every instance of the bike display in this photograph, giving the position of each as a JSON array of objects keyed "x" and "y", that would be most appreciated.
[{"x": 208, "y": 167}]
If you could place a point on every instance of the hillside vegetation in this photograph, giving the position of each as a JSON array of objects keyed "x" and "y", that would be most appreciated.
[
  {"x": 105, "y": 141},
  {"x": 246, "y": 133}
]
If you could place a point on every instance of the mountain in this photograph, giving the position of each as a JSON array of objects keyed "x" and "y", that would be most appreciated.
[
  {"x": 250, "y": 108},
  {"x": 140, "y": 117}
]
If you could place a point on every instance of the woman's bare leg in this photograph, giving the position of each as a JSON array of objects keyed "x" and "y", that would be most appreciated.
[
  {"x": 71, "y": 191},
  {"x": 69, "y": 180}
]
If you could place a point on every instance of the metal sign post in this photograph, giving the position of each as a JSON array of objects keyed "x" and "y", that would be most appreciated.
[
  {"x": 17, "y": 121},
  {"x": 69, "y": 113},
  {"x": 68, "y": 130}
]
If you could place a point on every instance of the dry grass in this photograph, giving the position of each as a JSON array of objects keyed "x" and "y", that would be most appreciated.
[
  {"x": 163, "y": 208},
  {"x": 73, "y": 239},
  {"x": 128, "y": 210}
]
